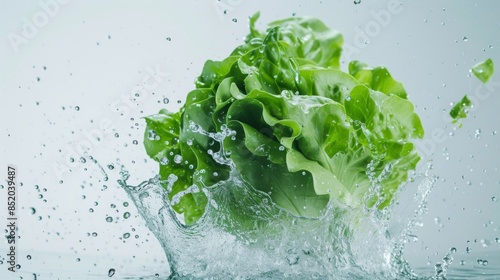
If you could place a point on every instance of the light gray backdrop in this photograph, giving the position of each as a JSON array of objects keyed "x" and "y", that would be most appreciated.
[{"x": 70, "y": 72}]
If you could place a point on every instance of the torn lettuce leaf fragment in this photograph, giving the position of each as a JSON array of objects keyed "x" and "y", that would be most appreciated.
[
  {"x": 299, "y": 130},
  {"x": 460, "y": 110},
  {"x": 483, "y": 70}
]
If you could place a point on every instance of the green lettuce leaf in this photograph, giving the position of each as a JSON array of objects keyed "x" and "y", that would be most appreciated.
[
  {"x": 483, "y": 70},
  {"x": 460, "y": 110}
]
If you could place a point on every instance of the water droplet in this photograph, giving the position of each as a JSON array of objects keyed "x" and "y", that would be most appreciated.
[
  {"x": 453, "y": 250},
  {"x": 77, "y": 259},
  {"x": 235, "y": 20},
  {"x": 292, "y": 259},
  {"x": 164, "y": 161},
  {"x": 465, "y": 39},
  {"x": 94, "y": 234},
  {"x": 91, "y": 210},
  {"x": 152, "y": 135},
  {"x": 126, "y": 235},
  {"x": 77, "y": 108},
  {"x": 169, "y": 39},
  {"x": 117, "y": 135},
  {"x": 438, "y": 268},
  {"x": 28, "y": 257},
  {"x": 481, "y": 262},
  {"x": 467, "y": 250},
  {"x": 178, "y": 159},
  {"x": 125, "y": 204},
  {"x": 111, "y": 272},
  {"x": 33, "y": 210},
  {"x": 286, "y": 93},
  {"x": 126, "y": 215},
  {"x": 356, "y": 2},
  {"x": 135, "y": 142},
  {"x": 494, "y": 198},
  {"x": 109, "y": 219},
  {"x": 478, "y": 133}
]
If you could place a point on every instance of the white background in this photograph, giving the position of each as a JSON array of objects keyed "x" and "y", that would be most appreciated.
[{"x": 94, "y": 56}]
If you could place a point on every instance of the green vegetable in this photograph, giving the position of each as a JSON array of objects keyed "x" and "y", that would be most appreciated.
[
  {"x": 483, "y": 70},
  {"x": 459, "y": 111},
  {"x": 297, "y": 128}
]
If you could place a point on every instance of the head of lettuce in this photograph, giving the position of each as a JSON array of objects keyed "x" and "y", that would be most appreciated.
[{"x": 280, "y": 112}]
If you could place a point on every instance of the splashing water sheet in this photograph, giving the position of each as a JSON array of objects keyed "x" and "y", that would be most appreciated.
[{"x": 293, "y": 155}]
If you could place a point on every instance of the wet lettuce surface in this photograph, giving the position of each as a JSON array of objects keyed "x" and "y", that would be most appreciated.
[{"x": 281, "y": 112}]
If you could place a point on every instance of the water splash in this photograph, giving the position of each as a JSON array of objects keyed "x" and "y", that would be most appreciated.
[
  {"x": 243, "y": 234},
  {"x": 269, "y": 242}
]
